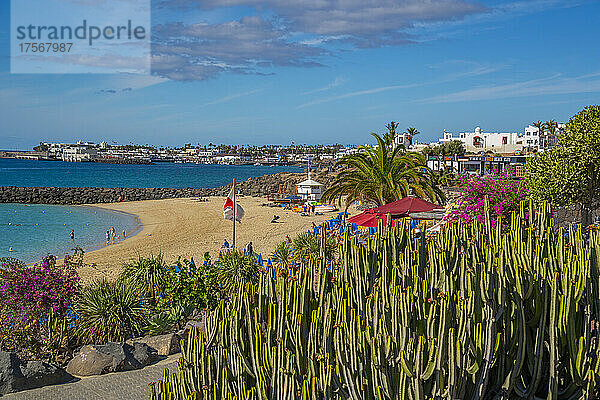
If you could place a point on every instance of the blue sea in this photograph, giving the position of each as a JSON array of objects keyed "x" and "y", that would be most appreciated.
[
  {"x": 30, "y": 232},
  {"x": 169, "y": 175}
]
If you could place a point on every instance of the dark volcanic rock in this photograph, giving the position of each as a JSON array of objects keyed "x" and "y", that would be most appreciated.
[
  {"x": 111, "y": 357},
  {"x": 17, "y": 375},
  {"x": 283, "y": 182}
]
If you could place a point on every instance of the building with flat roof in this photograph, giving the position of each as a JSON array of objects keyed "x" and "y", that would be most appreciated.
[
  {"x": 478, "y": 141},
  {"x": 309, "y": 189}
]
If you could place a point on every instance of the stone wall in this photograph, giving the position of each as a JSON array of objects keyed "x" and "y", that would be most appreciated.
[{"x": 259, "y": 186}]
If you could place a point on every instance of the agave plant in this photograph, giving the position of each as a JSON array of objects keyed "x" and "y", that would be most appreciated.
[
  {"x": 109, "y": 312},
  {"x": 306, "y": 245},
  {"x": 147, "y": 275},
  {"x": 236, "y": 268},
  {"x": 283, "y": 256}
]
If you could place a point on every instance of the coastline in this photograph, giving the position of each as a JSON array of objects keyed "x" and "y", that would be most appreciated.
[
  {"x": 187, "y": 228},
  {"x": 131, "y": 233}
]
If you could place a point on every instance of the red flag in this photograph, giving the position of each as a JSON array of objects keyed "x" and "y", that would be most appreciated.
[{"x": 228, "y": 208}]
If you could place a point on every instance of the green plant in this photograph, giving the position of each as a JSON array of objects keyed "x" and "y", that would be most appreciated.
[
  {"x": 147, "y": 274},
  {"x": 186, "y": 287},
  {"x": 306, "y": 245},
  {"x": 474, "y": 313},
  {"x": 283, "y": 256},
  {"x": 570, "y": 172},
  {"x": 382, "y": 176},
  {"x": 109, "y": 312},
  {"x": 29, "y": 296},
  {"x": 236, "y": 269},
  {"x": 160, "y": 324}
]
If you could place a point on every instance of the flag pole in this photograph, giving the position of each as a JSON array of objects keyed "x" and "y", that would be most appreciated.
[{"x": 234, "y": 212}]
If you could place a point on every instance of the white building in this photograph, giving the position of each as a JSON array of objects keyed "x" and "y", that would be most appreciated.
[
  {"x": 403, "y": 139},
  {"x": 531, "y": 138},
  {"x": 534, "y": 139},
  {"x": 78, "y": 153},
  {"x": 477, "y": 141},
  {"x": 309, "y": 189}
]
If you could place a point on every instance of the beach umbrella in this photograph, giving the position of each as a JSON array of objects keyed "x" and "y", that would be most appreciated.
[
  {"x": 368, "y": 219},
  {"x": 406, "y": 206}
]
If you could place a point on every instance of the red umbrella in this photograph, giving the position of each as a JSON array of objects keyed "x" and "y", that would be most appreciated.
[
  {"x": 405, "y": 206},
  {"x": 368, "y": 219}
]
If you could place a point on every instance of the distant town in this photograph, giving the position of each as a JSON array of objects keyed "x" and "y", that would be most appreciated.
[{"x": 475, "y": 151}]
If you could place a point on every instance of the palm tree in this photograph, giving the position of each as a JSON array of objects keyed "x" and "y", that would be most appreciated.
[
  {"x": 541, "y": 126},
  {"x": 390, "y": 135},
  {"x": 382, "y": 176},
  {"x": 411, "y": 132}
]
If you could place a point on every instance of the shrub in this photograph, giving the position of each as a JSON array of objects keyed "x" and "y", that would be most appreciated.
[
  {"x": 186, "y": 287},
  {"x": 502, "y": 191},
  {"x": 234, "y": 269},
  {"x": 109, "y": 312},
  {"x": 147, "y": 275},
  {"x": 283, "y": 256},
  {"x": 29, "y": 296},
  {"x": 306, "y": 245}
]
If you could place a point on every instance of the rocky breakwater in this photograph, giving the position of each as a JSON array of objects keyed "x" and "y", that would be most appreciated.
[
  {"x": 90, "y": 195},
  {"x": 283, "y": 182}
]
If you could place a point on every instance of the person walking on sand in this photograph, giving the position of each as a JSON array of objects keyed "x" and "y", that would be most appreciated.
[
  {"x": 249, "y": 249},
  {"x": 72, "y": 234},
  {"x": 225, "y": 244}
]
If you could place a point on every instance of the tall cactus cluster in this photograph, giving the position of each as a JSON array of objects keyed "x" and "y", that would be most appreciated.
[{"x": 510, "y": 311}]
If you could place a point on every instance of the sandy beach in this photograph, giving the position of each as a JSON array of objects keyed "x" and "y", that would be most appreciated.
[{"x": 187, "y": 227}]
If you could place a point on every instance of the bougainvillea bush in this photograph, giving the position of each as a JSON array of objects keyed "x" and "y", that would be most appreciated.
[
  {"x": 504, "y": 194},
  {"x": 32, "y": 299}
]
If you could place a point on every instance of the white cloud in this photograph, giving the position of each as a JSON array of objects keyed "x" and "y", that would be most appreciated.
[
  {"x": 357, "y": 93},
  {"x": 293, "y": 33},
  {"x": 333, "y": 84},
  {"x": 552, "y": 85}
]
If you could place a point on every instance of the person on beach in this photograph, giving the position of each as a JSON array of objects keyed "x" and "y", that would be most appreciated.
[
  {"x": 72, "y": 234},
  {"x": 113, "y": 234},
  {"x": 108, "y": 237},
  {"x": 288, "y": 239},
  {"x": 124, "y": 234},
  {"x": 249, "y": 249},
  {"x": 225, "y": 244}
]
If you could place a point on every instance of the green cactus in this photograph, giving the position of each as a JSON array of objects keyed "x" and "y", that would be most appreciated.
[{"x": 475, "y": 313}]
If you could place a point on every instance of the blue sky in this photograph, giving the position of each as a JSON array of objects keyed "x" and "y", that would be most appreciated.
[{"x": 247, "y": 72}]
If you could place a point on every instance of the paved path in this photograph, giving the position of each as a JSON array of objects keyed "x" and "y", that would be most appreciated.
[{"x": 129, "y": 385}]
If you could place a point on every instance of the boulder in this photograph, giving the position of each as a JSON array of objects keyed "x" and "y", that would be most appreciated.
[
  {"x": 17, "y": 375},
  {"x": 111, "y": 357},
  {"x": 165, "y": 345}
]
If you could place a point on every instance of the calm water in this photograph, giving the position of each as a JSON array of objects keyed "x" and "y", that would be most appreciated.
[
  {"x": 33, "y": 231},
  {"x": 64, "y": 174}
]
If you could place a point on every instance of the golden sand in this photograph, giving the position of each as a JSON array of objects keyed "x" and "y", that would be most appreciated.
[{"x": 187, "y": 227}]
